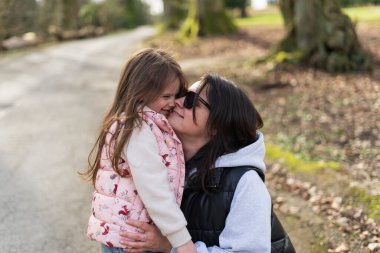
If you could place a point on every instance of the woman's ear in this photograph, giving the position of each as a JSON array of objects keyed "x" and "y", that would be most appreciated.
[{"x": 213, "y": 133}]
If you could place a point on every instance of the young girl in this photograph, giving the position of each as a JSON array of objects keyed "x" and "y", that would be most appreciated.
[{"x": 138, "y": 170}]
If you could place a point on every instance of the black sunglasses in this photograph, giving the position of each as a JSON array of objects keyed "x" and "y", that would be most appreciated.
[{"x": 191, "y": 97}]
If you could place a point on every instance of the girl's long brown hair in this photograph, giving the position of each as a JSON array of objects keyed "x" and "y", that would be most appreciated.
[{"x": 144, "y": 77}]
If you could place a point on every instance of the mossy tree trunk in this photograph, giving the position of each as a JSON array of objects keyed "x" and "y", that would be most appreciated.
[
  {"x": 322, "y": 35},
  {"x": 207, "y": 17},
  {"x": 174, "y": 13}
]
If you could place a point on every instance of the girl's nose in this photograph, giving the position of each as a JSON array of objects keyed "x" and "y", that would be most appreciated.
[{"x": 172, "y": 102}]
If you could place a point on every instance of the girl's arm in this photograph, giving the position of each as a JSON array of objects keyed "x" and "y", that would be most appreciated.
[
  {"x": 150, "y": 176},
  {"x": 247, "y": 227}
]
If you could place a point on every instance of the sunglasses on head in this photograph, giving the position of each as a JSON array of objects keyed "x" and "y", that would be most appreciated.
[{"x": 191, "y": 97}]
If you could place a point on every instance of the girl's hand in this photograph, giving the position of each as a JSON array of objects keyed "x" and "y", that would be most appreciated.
[{"x": 148, "y": 239}]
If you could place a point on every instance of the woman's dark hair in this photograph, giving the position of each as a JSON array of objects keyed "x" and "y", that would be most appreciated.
[{"x": 232, "y": 125}]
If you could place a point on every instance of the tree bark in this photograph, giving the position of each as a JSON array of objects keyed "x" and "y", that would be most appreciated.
[
  {"x": 243, "y": 9},
  {"x": 207, "y": 17},
  {"x": 243, "y": 12},
  {"x": 50, "y": 16},
  {"x": 323, "y": 35},
  {"x": 70, "y": 14}
]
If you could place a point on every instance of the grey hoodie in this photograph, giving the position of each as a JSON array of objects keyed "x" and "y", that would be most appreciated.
[{"x": 247, "y": 227}]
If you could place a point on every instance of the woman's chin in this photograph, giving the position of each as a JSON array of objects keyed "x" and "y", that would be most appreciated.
[{"x": 174, "y": 118}]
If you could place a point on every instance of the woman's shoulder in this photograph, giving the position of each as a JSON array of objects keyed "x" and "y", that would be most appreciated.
[
  {"x": 252, "y": 176},
  {"x": 244, "y": 175},
  {"x": 252, "y": 186}
]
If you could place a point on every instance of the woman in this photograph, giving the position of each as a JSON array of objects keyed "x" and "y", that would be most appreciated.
[{"x": 225, "y": 202}]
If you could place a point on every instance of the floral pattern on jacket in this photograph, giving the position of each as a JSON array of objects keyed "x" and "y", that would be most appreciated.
[{"x": 116, "y": 199}]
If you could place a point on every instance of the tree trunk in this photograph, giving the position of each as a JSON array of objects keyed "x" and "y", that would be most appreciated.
[
  {"x": 243, "y": 12},
  {"x": 175, "y": 12},
  {"x": 70, "y": 14},
  {"x": 207, "y": 17},
  {"x": 243, "y": 9},
  {"x": 322, "y": 35},
  {"x": 50, "y": 16}
]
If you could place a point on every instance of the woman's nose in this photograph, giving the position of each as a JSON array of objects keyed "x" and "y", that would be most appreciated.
[{"x": 179, "y": 102}]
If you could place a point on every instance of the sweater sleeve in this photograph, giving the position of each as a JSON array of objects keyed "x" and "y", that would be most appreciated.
[
  {"x": 248, "y": 228},
  {"x": 151, "y": 181}
]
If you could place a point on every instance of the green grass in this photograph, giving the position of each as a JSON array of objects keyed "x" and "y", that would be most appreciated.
[
  {"x": 365, "y": 14},
  {"x": 371, "y": 202},
  {"x": 294, "y": 163},
  {"x": 272, "y": 16}
]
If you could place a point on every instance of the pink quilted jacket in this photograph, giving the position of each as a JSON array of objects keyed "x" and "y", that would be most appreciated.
[{"x": 116, "y": 199}]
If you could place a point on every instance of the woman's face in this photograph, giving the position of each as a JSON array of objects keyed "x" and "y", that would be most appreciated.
[{"x": 181, "y": 119}]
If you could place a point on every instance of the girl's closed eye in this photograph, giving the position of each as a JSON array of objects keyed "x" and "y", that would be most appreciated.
[{"x": 169, "y": 96}]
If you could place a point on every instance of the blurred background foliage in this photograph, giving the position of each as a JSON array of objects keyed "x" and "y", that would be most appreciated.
[
  {"x": 317, "y": 32},
  {"x": 20, "y": 16}
]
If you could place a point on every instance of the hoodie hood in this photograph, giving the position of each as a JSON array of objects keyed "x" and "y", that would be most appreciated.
[{"x": 251, "y": 155}]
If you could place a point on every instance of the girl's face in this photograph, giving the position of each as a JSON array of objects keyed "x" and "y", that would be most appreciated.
[
  {"x": 165, "y": 102},
  {"x": 181, "y": 119}
]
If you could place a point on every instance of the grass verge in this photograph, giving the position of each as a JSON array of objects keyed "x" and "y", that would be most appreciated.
[
  {"x": 294, "y": 163},
  {"x": 272, "y": 16},
  {"x": 370, "y": 202}
]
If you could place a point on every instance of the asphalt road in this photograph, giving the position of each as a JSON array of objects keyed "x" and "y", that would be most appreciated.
[{"x": 51, "y": 103}]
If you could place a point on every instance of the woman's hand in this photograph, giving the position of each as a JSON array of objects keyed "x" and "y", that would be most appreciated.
[
  {"x": 188, "y": 247},
  {"x": 148, "y": 239}
]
